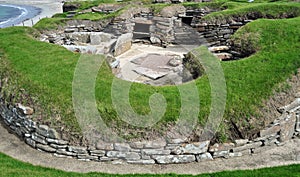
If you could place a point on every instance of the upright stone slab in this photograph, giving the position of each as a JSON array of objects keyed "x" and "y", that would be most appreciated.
[{"x": 123, "y": 44}]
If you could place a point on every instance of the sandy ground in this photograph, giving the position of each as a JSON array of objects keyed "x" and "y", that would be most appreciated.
[
  {"x": 49, "y": 8},
  {"x": 289, "y": 153}
]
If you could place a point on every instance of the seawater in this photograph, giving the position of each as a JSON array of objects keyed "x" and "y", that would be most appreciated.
[{"x": 11, "y": 15}]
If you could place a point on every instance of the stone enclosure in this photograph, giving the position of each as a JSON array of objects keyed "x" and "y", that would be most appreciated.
[{"x": 160, "y": 151}]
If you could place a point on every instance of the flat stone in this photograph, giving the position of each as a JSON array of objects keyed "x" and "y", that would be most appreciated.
[
  {"x": 235, "y": 154},
  {"x": 223, "y": 56},
  {"x": 218, "y": 48},
  {"x": 30, "y": 142},
  {"x": 25, "y": 109},
  {"x": 221, "y": 147},
  {"x": 66, "y": 153},
  {"x": 241, "y": 142},
  {"x": 269, "y": 131},
  {"x": 150, "y": 73},
  {"x": 45, "y": 148},
  {"x": 38, "y": 138},
  {"x": 88, "y": 157},
  {"x": 156, "y": 151},
  {"x": 167, "y": 159},
  {"x": 57, "y": 141},
  {"x": 247, "y": 146},
  {"x": 123, "y": 147},
  {"x": 224, "y": 154},
  {"x": 287, "y": 128},
  {"x": 125, "y": 155},
  {"x": 52, "y": 133},
  {"x": 192, "y": 148},
  {"x": 97, "y": 152},
  {"x": 204, "y": 157},
  {"x": 77, "y": 149},
  {"x": 56, "y": 146},
  {"x": 43, "y": 130},
  {"x": 145, "y": 162}
]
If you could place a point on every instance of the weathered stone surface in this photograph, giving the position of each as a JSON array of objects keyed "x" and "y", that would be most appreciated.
[
  {"x": 98, "y": 38},
  {"x": 218, "y": 48},
  {"x": 52, "y": 133},
  {"x": 297, "y": 127},
  {"x": 221, "y": 147},
  {"x": 241, "y": 142},
  {"x": 123, "y": 147},
  {"x": 166, "y": 159},
  {"x": 57, "y": 141},
  {"x": 204, "y": 157},
  {"x": 152, "y": 74},
  {"x": 156, "y": 151},
  {"x": 235, "y": 154},
  {"x": 287, "y": 128},
  {"x": 45, "y": 148},
  {"x": 142, "y": 161},
  {"x": 223, "y": 56},
  {"x": 101, "y": 145},
  {"x": 30, "y": 142},
  {"x": 155, "y": 40},
  {"x": 88, "y": 157},
  {"x": 269, "y": 131},
  {"x": 38, "y": 138},
  {"x": 291, "y": 107},
  {"x": 125, "y": 155},
  {"x": 56, "y": 146},
  {"x": 247, "y": 146},
  {"x": 43, "y": 130},
  {"x": 97, "y": 152},
  {"x": 78, "y": 149},
  {"x": 224, "y": 154},
  {"x": 66, "y": 153},
  {"x": 123, "y": 44},
  {"x": 193, "y": 148}
]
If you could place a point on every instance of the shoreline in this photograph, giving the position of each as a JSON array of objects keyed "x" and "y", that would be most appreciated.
[{"x": 37, "y": 9}]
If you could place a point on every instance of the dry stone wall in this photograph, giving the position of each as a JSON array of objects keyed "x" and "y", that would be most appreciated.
[{"x": 160, "y": 151}]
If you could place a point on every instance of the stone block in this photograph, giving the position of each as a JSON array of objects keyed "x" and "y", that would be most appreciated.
[
  {"x": 221, "y": 147},
  {"x": 125, "y": 155},
  {"x": 287, "y": 128},
  {"x": 142, "y": 161},
  {"x": 247, "y": 146},
  {"x": 241, "y": 142},
  {"x": 204, "y": 157},
  {"x": 269, "y": 130},
  {"x": 192, "y": 148},
  {"x": 156, "y": 152},
  {"x": 45, "y": 148},
  {"x": 123, "y": 147},
  {"x": 167, "y": 159},
  {"x": 224, "y": 154},
  {"x": 123, "y": 44},
  {"x": 77, "y": 149}
]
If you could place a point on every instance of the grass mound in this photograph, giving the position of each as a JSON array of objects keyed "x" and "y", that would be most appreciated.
[{"x": 46, "y": 71}]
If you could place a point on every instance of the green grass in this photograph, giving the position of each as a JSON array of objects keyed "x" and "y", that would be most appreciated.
[
  {"x": 262, "y": 10},
  {"x": 49, "y": 71},
  {"x": 10, "y": 167}
]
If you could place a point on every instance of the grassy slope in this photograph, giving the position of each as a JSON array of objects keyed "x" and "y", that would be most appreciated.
[
  {"x": 249, "y": 81},
  {"x": 11, "y": 167}
]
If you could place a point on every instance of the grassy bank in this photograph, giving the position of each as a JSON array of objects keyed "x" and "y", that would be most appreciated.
[
  {"x": 46, "y": 71},
  {"x": 11, "y": 167}
]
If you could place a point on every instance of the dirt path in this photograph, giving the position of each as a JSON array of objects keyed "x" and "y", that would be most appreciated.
[{"x": 289, "y": 153}]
